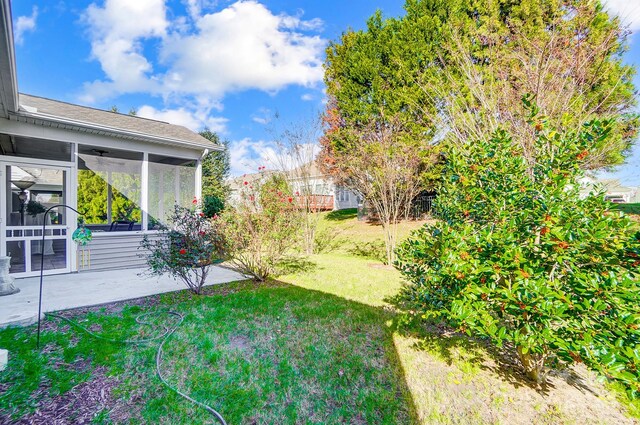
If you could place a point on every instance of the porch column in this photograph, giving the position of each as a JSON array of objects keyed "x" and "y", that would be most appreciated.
[
  {"x": 144, "y": 191},
  {"x": 176, "y": 186},
  {"x": 161, "y": 215},
  {"x": 198, "y": 188}
]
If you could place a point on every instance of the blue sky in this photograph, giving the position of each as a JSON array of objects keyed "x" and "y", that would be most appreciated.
[{"x": 228, "y": 65}]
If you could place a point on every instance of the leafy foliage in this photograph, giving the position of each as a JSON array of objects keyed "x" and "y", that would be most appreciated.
[
  {"x": 521, "y": 258},
  {"x": 92, "y": 196},
  {"x": 215, "y": 168},
  {"x": 567, "y": 53},
  {"x": 327, "y": 239},
  {"x": 463, "y": 65},
  {"x": 262, "y": 230},
  {"x": 187, "y": 249},
  {"x": 369, "y": 70},
  {"x": 212, "y": 206},
  {"x": 370, "y": 78},
  {"x": 34, "y": 208}
]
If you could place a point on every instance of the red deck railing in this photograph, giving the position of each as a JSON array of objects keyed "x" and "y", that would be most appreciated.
[{"x": 316, "y": 202}]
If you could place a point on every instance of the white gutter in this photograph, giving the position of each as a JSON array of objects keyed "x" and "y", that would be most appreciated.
[{"x": 82, "y": 125}]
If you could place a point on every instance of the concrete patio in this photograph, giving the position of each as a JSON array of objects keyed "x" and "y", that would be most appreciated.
[{"x": 61, "y": 292}]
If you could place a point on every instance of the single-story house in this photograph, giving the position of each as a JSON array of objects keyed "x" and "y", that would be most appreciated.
[
  {"x": 322, "y": 191},
  {"x": 613, "y": 189},
  {"x": 122, "y": 173}
]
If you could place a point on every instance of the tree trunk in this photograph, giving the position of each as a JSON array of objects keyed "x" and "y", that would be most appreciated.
[
  {"x": 533, "y": 364},
  {"x": 309, "y": 238},
  {"x": 203, "y": 278}
]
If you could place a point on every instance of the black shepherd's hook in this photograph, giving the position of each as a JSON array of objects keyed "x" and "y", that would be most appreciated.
[{"x": 44, "y": 226}]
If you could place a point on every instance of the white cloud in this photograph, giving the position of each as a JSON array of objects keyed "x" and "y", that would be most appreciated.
[
  {"x": 261, "y": 120},
  {"x": 117, "y": 32},
  {"x": 293, "y": 22},
  {"x": 244, "y": 46},
  {"x": 246, "y": 155},
  {"x": 263, "y": 116},
  {"x": 307, "y": 97},
  {"x": 627, "y": 10},
  {"x": 194, "y": 61},
  {"x": 195, "y": 7},
  {"x": 25, "y": 24},
  {"x": 192, "y": 120}
]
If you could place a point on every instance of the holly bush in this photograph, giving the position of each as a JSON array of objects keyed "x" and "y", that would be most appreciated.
[
  {"x": 186, "y": 248},
  {"x": 263, "y": 228},
  {"x": 519, "y": 256}
]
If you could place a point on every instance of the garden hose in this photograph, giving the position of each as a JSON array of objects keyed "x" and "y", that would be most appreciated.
[{"x": 168, "y": 331}]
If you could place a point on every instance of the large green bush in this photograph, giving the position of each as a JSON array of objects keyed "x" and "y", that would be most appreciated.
[{"x": 520, "y": 257}]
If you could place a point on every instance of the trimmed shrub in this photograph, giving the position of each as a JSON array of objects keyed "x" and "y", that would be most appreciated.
[{"x": 212, "y": 206}]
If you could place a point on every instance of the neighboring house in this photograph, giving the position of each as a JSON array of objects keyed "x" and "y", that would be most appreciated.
[
  {"x": 613, "y": 189},
  {"x": 312, "y": 182},
  {"x": 124, "y": 173},
  {"x": 237, "y": 185},
  {"x": 321, "y": 189}
]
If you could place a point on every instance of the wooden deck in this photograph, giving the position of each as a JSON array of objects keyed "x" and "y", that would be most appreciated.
[{"x": 316, "y": 202}]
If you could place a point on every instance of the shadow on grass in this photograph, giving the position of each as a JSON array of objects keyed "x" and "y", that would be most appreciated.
[
  {"x": 436, "y": 339},
  {"x": 248, "y": 344},
  {"x": 341, "y": 215},
  {"x": 374, "y": 250},
  {"x": 242, "y": 345},
  {"x": 339, "y": 339},
  {"x": 448, "y": 344}
]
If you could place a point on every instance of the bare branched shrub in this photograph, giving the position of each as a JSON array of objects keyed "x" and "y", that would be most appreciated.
[
  {"x": 296, "y": 149},
  {"x": 571, "y": 66},
  {"x": 385, "y": 165}
]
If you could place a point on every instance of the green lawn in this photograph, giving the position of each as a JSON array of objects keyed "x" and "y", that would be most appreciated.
[
  {"x": 273, "y": 353},
  {"x": 318, "y": 346}
]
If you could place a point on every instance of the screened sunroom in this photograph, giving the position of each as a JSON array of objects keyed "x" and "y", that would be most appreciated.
[{"x": 124, "y": 180}]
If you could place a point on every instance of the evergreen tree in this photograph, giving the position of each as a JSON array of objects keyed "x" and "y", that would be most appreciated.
[
  {"x": 215, "y": 168},
  {"x": 455, "y": 71}
]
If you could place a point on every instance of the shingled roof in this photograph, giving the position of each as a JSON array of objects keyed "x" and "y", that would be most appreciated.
[{"x": 92, "y": 119}]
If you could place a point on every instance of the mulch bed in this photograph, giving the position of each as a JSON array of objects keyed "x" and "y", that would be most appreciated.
[
  {"x": 86, "y": 400},
  {"x": 77, "y": 406}
]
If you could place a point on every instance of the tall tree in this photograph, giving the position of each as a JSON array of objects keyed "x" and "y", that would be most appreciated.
[
  {"x": 455, "y": 70},
  {"x": 378, "y": 133},
  {"x": 371, "y": 74},
  {"x": 566, "y": 53},
  {"x": 215, "y": 168}
]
